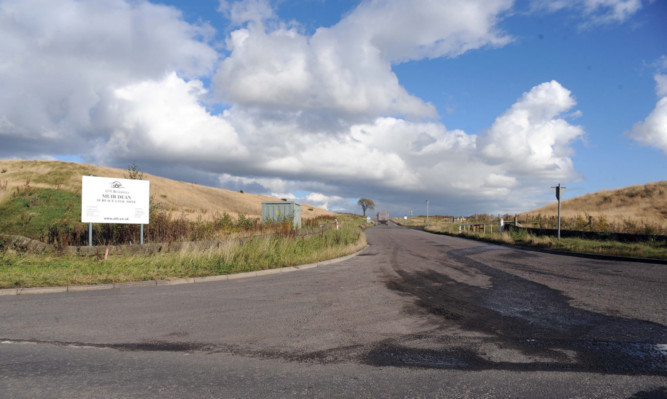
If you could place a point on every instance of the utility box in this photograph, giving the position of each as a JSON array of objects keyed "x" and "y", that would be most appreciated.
[{"x": 281, "y": 210}]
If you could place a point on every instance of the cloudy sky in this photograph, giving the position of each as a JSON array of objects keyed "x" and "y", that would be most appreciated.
[{"x": 478, "y": 106}]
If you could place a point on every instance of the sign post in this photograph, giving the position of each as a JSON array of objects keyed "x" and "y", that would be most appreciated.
[
  {"x": 558, "y": 190},
  {"x": 110, "y": 200},
  {"x": 90, "y": 231}
]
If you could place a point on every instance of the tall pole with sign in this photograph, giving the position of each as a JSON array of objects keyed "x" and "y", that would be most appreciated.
[{"x": 558, "y": 190}]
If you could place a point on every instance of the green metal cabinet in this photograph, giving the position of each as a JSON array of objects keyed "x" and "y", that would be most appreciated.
[{"x": 280, "y": 210}]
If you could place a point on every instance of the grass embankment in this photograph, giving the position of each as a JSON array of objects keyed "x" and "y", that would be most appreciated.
[
  {"x": 656, "y": 249},
  {"x": 53, "y": 216},
  {"x": 30, "y": 212},
  {"x": 179, "y": 199},
  {"x": 31, "y": 270},
  {"x": 630, "y": 208}
]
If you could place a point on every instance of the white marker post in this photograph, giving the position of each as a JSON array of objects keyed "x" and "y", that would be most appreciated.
[{"x": 558, "y": 190}]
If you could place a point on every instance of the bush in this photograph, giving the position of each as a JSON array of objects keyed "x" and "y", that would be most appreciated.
[
  {"x": 224, "y": 222},
  {"x": 245, "y": 223}
]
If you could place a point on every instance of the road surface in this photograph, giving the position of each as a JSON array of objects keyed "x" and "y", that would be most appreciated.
[{"x": 413, "y": 315}]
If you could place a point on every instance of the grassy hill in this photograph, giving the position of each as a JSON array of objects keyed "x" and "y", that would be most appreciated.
[
  {"x": 180, "y": 199},
  {"x": 635, "y": 205}
]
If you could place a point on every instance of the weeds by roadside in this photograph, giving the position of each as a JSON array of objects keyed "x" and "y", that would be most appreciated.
[
  {"x": 53, "y": 217},
  {"x": 655, "y": 249},
  {"x": 600, "y": 223},
  {"x": 258, "y": 253}
]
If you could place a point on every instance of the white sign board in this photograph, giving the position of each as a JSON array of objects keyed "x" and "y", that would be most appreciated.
[{"x": 110, "y": 200}]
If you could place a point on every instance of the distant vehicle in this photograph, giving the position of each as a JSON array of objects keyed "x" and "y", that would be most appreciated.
[{"x": 383, "y": 217}]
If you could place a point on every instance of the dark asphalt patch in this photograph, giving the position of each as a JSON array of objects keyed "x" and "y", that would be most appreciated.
[
  {"x": 523, "y": 315},
  {"x": 518, "y": 255},
  {"x": 160, "y": 346},
  {"x": 155, "y": 346},
  {"x": 476, "y": 250},
  {"x": 524, "y": 268},
  {"x": 658, "y": 393},
  {"x": 389, "y": 355},
  {"x": 621, "y": 358}
]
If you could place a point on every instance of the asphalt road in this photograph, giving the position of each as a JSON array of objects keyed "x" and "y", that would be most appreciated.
[{"x": 413, "y": 315}]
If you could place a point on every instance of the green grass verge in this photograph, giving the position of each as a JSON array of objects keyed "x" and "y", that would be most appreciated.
[
  {"x": 650, "y": 250},
  {"x": 30, "y": 270},
  {"x": 30, "y": 211}
]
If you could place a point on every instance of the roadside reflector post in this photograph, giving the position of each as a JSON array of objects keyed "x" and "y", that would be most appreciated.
[{"x": 558, "y": 190}]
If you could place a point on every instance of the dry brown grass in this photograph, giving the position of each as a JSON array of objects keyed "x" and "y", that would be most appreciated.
[
  {"x": 640, "y": 204},
  {"x": 192, "y": 201}
]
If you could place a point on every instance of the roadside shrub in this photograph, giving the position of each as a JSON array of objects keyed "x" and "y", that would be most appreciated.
[
  {"x": 224, "y": 222},
  {"x": 245, "y": 223}
]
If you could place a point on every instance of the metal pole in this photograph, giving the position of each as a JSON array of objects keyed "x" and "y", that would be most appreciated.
[
  {"x": 141, "y": 239},
  {"x": 427, "y": 212},
  {"x": 558, "y": 190},
  {"x": 90, "y": 231}
]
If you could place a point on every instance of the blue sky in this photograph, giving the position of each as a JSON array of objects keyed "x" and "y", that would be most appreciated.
[{"x": 478, "y": 106}]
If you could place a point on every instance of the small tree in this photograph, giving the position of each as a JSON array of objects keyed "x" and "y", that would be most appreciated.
[
  {"x": 134, "y": 173},
  {"x": 366, "y": 203}
]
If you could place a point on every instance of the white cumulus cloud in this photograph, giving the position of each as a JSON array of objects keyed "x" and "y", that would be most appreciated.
[
  {"x": 320, "y": 117},
  {"x": 61, "y": 60},
  {"x": 530, "y": 144},
  {"x": 652, "y": 131},
  {"x": 530, "y": 138},
  {"x": 345, "y": 70},
  {"x": 413, "y": 30},
  {"x": 164, "y": 119}
]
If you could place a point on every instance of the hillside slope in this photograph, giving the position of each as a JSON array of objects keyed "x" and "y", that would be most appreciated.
[
  {"x": 643, "y": 203},
  {"x": 193, "y": 201}
]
